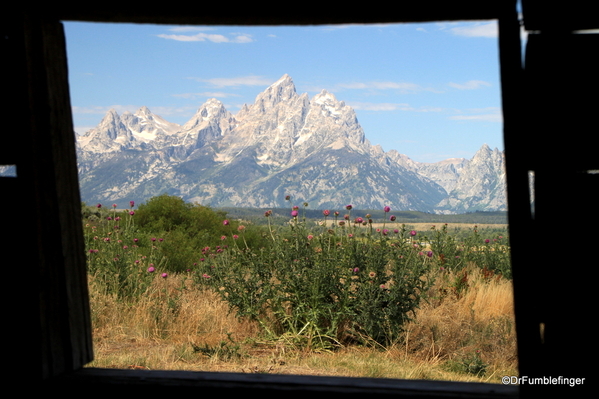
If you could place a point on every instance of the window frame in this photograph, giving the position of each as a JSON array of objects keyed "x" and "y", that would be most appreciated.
[{"x": 63, "y": 306}]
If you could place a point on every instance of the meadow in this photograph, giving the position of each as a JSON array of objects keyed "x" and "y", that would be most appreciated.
[{"x": 179, "y": 286}]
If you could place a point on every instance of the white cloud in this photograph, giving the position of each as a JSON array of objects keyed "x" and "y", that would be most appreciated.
[
  {"x": 250, "y": 80},
  {"x": 477, "y": 29},
  {"x": 202, "y": 37},
  {"x": 469, "y": 85},
  {"x": 190, "y": 28},
  {"x": 402, "y": 87},
  {"x": 368, "y": 106},
  {"x": 490, "y": 114},
  {"x": 217, "y": 94}
]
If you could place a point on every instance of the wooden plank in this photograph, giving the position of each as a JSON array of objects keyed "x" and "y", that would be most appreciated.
[
  {"x": 138, "y": 382},
  {"x": 562, "y": 79},
  {"x": 420, "y": 11},
  {"x": 543, "y": 15},
  {"x": 49, "y": 184}
]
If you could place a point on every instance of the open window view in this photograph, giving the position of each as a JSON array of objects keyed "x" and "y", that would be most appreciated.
[{"x": 323, "y": 200}]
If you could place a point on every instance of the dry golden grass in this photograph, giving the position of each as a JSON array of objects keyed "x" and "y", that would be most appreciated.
[{"x": 163, "y": 329}]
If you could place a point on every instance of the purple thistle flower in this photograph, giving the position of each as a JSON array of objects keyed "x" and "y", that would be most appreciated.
[
  {"x": 131, "y": 204},
  {"x": 164, "y": 275},
  {"x": 225, "y": 222},
  {"x": 294, "y": 213},
  {"x": 99, "y": 206},
  {"x": 429, "y": 254},
  {"x": 151, "y": 269},
  {"x": 392, "y": 218},
  {"x": 326, "y": 212},
  {"x": 348, "y": 207},
  {"x": 413, "y": 233},
  {"x": 287, "y": 197},
  {"x": 387, "y": 209}
]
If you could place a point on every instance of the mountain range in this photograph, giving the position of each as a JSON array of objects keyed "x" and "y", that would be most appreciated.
[{"x": 285, "y": 143}]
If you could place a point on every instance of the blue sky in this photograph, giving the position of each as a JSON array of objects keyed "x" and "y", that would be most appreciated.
[{"x": 430, "y": 91}]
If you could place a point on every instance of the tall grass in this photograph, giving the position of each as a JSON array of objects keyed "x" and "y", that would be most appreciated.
[
  {"x": 455, "y": 335},
  {"x": 342, "y": 292}
]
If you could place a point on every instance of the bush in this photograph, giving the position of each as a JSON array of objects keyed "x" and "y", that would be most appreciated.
[{"x": 321, "y": 288}]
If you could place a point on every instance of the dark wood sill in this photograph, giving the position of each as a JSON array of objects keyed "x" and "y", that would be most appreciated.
[{"x": 136, "y": 382}]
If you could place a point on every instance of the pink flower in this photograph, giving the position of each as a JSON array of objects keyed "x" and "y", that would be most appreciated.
[
  {"x": 131, "y": 204},
  {"x": 294, "y": 213},
  {"x": 151, "y": 269},
  {"x": 413, "y": 233},
  {"x": 387, "y": 209},
  {"x": 225, "y": 222},
  {"x": 310, "y": 237},
  {"x": 348, "y": 207},
  {"x": 223, "y": 237},
  {"x": 235, "y": 236},
  {"x": 326, "y": 212},
  {"x": 131, "y": 213},
  {"x": 392, "y": 218},
  {"x": 99, "y": 206},
  {"x": 164, "y": 275}
]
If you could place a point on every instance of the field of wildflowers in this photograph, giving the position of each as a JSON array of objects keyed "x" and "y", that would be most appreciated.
[{"x": 316, "y": 284}]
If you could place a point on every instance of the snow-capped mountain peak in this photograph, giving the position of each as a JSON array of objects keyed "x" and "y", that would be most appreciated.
[{"x": 283, "y": 143}]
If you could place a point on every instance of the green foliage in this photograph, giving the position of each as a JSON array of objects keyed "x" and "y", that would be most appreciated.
[
  {"x": 471, "y": 363},
  {"x": 119, "y": 258},
  {"x": 322, "y": 287},
  {"x": 313, "y": 284}
]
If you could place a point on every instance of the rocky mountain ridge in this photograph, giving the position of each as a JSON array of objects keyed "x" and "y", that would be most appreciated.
[{"x": 283, "y": 144}]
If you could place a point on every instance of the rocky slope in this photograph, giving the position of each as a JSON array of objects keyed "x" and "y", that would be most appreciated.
[{"x": 283, "y": 144}]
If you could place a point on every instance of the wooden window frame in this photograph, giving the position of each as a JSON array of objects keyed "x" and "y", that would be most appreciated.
[{"x": 47, "y": 186}]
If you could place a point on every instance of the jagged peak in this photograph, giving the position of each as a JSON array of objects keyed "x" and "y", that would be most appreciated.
[
  {"x": 323, "y": 96},
  {"x": 110, "y": 117},
  {"x": 143, "y": 110},
  {"x": 283, "y": 80}
]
